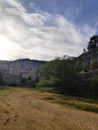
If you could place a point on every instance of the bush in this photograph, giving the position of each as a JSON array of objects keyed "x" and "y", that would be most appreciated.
[
  {"x": 30, "y": 83},
  {"x": 94, "y": 87},
  {"x": 1, "y": 80},
  {"x": 95, "y": 65},
  {"x": 60, "y": 74},
  {"x": 13, "y": 84},
  {"x": 23, "y": 81},
  {"x": 43, "y": 83}
]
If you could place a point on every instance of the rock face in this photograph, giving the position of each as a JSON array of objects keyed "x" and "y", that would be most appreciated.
[
  {"x": 88, "y": 63},
  {"x": 88, "y": 58},
  {"x": 15, "y": 71}
]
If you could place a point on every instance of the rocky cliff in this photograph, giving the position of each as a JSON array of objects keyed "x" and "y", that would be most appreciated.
[
  {"x": 88, "y": 59},
  {"x": 15, "y": 71}
]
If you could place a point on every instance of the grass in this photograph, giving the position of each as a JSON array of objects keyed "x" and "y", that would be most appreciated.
[
  {"x": 6, "y": 90},
  {"x": 80, "y": 106},
  {"x": 25, "y": 109},
  {"x": 89, "y": 105},
  {"x": 47, "y": 94},
  {"x": 85, "y": 104}
]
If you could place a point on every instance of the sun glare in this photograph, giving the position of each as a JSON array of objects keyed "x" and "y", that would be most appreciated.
[{"x": 4, "y": 44}]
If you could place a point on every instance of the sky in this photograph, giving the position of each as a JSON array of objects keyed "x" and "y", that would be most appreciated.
[{"x": 45, "y": 29}]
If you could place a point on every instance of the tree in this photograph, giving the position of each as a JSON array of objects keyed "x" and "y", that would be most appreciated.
[
  {"x": 60, "y": 74},
  {"x": 92, "y": 44},
  {"x": 84, "y": 50}
]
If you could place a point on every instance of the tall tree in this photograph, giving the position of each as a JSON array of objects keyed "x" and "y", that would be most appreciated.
[
  {"x": 92, "y": 44},
  {"x": 63, "y": 74}
]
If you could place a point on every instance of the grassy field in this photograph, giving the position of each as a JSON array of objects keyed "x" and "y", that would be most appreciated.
[{"x": 28, "y": 109}]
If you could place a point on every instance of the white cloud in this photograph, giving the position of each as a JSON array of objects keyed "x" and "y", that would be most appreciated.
[{"x": 38, "y": 35}]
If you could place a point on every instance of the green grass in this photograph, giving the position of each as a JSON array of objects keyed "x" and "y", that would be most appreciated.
[
  {"x": 80, "y": 106},
  {"x": 74, "y": 103},
  {"x": 6, "y": 90},
  {"x": 45, "y": 89}
]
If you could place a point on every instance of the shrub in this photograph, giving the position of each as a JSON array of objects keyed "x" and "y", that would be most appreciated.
[
  {"x": 43, "y": 83},
  {"x": 30, "y": 83},
  {"x": 94, "y": 87},
  {"x": 95, "y": 65}
]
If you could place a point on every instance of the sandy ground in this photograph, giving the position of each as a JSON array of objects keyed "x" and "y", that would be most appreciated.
[{"x": 23, "y": 109}]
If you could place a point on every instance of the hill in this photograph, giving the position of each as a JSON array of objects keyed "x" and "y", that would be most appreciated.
[{"x": 15, "y": 71}]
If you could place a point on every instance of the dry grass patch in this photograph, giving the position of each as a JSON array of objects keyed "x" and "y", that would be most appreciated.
[{"x": 27, "y": 109}]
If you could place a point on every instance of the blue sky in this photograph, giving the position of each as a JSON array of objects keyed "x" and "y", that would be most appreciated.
[
  {"x": 45, "y": 29},
  {"x": 79, "y": 11}
]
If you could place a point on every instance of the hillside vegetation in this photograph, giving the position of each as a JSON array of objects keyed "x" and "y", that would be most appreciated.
[
  {"x": 74, "y": 76},
  {"x": 63, "y": 75}
]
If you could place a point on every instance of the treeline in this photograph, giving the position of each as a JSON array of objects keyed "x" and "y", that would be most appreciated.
[
  {"x": 63, "y": 75},
  {"x": 25, "y": 82}
]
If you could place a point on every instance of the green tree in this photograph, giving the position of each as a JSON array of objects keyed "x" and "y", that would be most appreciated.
[
  {"x": 62, "y": 74},
  {"x": 92, "y": 44}
]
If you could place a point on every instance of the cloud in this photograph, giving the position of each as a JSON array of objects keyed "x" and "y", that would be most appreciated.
[
  {"x": 38, "y": 35},
  {"x": 74, "y": 10}
]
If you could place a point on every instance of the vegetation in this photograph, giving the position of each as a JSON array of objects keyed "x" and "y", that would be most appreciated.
[
  {"x": 74, "y": 103},
  {"x": 63, "y": 75},
  {"x": 26, "y": 108},
  {"x": 1, "y": 80},
  {"x": 93, "y": 42},
  {"x": 94, "y": 87},
  {"x": 27, "y": 82}
]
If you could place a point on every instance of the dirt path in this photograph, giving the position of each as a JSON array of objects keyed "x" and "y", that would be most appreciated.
[{"x": 23, "y": 110}]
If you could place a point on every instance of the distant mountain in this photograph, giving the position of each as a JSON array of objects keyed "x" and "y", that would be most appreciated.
[{"x": 15, "y": 71}]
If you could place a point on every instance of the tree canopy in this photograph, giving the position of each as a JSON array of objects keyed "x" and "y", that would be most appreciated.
[
  {"x": 92, "y": 44},
  {"x": 60, "y": 74}
]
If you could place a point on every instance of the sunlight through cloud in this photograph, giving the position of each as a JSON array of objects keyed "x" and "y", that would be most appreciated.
[{"x": 38, "y": 35}]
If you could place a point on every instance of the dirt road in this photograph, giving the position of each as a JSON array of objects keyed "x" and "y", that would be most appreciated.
[{"x": 23, "y": 109}]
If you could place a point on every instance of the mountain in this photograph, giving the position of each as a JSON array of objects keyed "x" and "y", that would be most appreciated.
[{"x": 15, "y": 71}]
